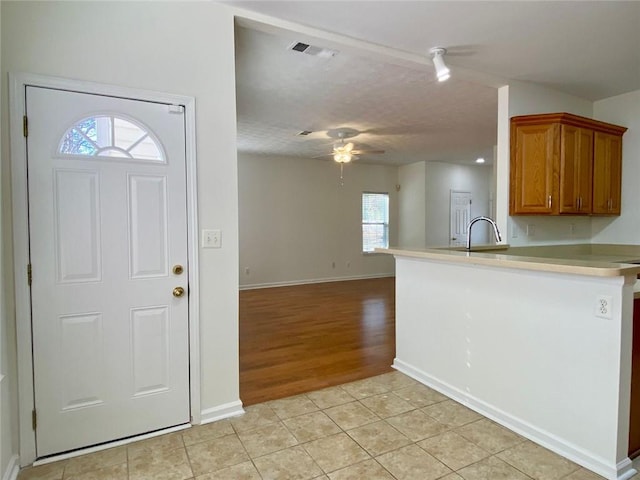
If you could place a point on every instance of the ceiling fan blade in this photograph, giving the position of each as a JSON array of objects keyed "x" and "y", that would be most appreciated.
[
  {"x": 366, "y": 152},
  {"x": 348, "y": 147},
  {"x": 325, "y": 155}
]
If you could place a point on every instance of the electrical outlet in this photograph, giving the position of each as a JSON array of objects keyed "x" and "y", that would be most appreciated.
[
  {"x": 211, "y": 238},
  {"x": 247, "y": 271},
  {"x": 333, "y": 264},
  {"x": 348, "y": 264},
  {"x": 572, "y": 229},
  {"x": 603, "y": 306},
  {"x": 531, "y": 230}
]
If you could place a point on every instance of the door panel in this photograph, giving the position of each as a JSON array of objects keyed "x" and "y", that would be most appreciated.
[
  {"x": 148, "y": 235},
  {"x": 107, "y": 204}
]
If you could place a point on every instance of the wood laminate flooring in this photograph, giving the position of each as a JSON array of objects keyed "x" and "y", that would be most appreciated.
[{"x": 307, "y": 337}]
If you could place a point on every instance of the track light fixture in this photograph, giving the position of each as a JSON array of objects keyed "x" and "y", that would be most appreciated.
[{"x": 437, "y": 56}]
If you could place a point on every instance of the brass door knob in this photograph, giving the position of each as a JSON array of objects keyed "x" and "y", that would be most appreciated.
[
  {"x": 177, "y": 269},
  {"x": 178, "y": 292}
]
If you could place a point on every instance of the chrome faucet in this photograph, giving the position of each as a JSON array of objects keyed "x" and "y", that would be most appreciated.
[{"x": 486, "y": 219}]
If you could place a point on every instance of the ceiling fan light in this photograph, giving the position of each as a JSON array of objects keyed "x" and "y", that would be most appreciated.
[{"x": 342, "y": 157}]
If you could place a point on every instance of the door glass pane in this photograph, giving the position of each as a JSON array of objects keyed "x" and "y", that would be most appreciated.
[{"x": 111, "y": 136}]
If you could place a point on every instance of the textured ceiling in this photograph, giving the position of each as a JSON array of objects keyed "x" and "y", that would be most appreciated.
[
  {"x": 589, "y": 49},
  {"x": 388, "y": 107}
]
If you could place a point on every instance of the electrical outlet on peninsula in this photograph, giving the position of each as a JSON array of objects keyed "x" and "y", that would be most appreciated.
[
  {"x": 211, "y": 238},
  {"x": 604, "y": 303}
]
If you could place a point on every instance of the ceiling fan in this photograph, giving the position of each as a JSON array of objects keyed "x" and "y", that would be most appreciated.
[{"x": 345, "y": 152}]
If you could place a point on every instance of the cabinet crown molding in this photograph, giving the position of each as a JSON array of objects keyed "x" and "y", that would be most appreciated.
[{"x": 568, "y": 119}]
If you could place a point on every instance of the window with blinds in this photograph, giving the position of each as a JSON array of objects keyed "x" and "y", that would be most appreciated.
[{"x": 375, "y": 221}]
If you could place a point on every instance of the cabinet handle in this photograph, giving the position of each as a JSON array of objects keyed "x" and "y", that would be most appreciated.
[
  {"x": 549, "y": 201},
  {"x": 579, "y": 202},
  {"x": 610, "y": 204}
]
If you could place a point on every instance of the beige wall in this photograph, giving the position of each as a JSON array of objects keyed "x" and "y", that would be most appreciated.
[
  {"x": 623, "y": 110},
  {"x": 181, "y": 48},
  {"x": 411, "y": 205},
  {"x": 297, "y": 221},
  {"x": 425, "y": 201},
  {"x": 440, "y": 179}
]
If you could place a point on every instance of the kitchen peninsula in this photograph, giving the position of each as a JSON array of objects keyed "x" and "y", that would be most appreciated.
[{"x": 538, "y": 339}]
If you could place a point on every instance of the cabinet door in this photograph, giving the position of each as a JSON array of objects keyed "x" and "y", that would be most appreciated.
[
  {"x": 576, "y": 165},
  {"x": 534, "y": 169},
  {"x": 607, "y": 173}
]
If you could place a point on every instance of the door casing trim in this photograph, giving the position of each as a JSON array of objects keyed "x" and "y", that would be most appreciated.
[{"x": 17, "y": 109}]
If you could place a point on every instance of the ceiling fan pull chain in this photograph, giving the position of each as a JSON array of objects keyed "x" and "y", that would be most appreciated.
[{"x": 341, "y": 177}]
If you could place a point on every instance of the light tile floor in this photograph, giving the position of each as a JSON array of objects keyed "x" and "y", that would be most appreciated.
[{"x": 385, "y": 427}]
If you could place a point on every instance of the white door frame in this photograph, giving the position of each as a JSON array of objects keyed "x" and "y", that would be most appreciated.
[{"x": 17, "y": 107}]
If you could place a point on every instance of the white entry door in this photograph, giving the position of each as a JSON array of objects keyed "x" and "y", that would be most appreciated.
[
  {"x": 108, "y": 244},
  {"x": 460, "y": 216}
]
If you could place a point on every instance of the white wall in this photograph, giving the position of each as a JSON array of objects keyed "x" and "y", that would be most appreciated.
[
  {"x": 411, "y": 205},
  {"x": 623, "y": 110},
  {"x": 296, "y": 220},
  {"x": 440, "y": 179},
  {"x": 183, "y": 48},
  {"x": 7, "y": 424},
  {"x": 521, "y": 98}
]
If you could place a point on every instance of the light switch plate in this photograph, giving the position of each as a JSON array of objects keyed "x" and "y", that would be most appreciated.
[{"x": 211, "y": 238}]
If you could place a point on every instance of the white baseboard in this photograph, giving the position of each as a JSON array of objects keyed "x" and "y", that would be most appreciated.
[
  {"x": 622, "y": 471},
  {"x": 13, "y": 468},
  {"x": 226, "y": 410},
  {"x": 290, "y": 283}
]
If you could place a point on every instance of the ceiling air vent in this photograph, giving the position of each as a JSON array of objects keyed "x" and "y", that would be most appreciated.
[
  {"x": 304, "y": 133},
  {"x": 312, "y": 50}
]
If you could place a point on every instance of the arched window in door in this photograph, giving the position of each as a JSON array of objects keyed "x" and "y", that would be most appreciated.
[{"x": 111, "y": 136}]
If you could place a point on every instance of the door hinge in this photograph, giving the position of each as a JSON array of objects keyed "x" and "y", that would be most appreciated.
[
  {"x": 34, "y": 419},
  {"x": 29, "y": 274},
  {"x": 25, "y": 126}
]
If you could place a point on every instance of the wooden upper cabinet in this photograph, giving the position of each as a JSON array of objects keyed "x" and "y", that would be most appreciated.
[
  {"x": 607, "y": 178},
  {"x": 533, "y": 168},
  {"x": 576, "y": 170},
  {"x": 563, "y": 164}
]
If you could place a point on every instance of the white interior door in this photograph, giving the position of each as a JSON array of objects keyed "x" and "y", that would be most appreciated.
[
  {"x": 460, "y": 215},
  {"x": 107, "y": 226}
]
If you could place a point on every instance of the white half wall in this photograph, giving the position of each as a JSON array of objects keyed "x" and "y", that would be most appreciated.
[
  {"x": 623, "y": 110},
  {"x": 440, "y": 179},
  {"x": 525, "y": 349},
  {"x": 298, "y": 224},
  {"x": 411, "y": 205},
  {"x": 174, "y": 47},
  {"x": 523, "y": 98}
]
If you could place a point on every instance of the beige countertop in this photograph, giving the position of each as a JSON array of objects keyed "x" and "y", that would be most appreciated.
[{"x": 599, "y": 260}]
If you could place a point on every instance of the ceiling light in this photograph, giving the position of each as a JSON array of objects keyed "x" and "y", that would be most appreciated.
[
  {"x": 437, "y": 56},
  {"x": 342, "y": 157},
  {"x": 480, "y": 160}
]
